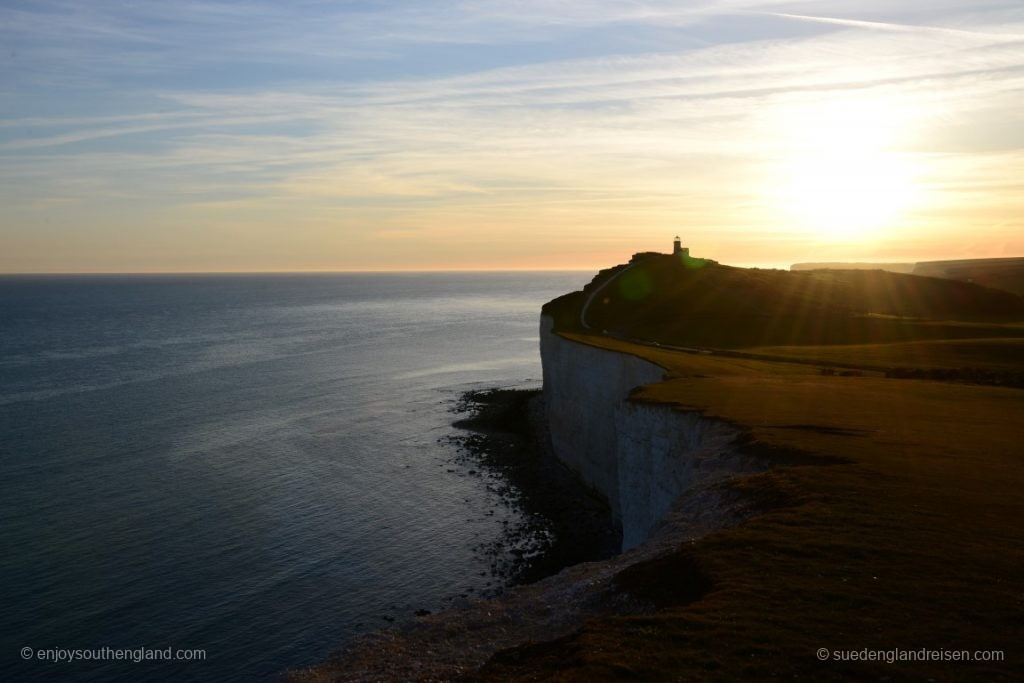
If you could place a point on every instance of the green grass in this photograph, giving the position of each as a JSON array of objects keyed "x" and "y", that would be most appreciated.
[{"x": 717, "y": 306}]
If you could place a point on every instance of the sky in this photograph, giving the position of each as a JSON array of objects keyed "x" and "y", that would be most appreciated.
[{"x": 257, "y": 135}]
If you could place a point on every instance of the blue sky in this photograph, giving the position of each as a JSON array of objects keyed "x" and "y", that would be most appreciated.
[{"x": 199, "y": 135}]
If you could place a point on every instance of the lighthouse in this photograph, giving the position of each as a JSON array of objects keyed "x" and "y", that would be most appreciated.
[{"x": 678, "y": 249}]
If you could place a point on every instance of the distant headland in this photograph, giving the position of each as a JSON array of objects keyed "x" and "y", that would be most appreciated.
[{"x": 1000, "y": 273}]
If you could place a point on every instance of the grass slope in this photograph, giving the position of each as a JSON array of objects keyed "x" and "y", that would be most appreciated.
[
  {"x": 662, "y": 299},
  {"x": 1001, "y": 273}
]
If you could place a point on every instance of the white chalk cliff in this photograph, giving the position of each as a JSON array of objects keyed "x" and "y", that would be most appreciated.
[{"x": 641, "y": 457}]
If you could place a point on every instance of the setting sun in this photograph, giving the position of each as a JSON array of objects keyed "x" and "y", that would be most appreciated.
[
  {"x": 841, "y": 176},
  {"x": 377, "y": 137}
]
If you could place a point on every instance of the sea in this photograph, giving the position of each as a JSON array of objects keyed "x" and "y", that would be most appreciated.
[{"x": 243, "y": 471}]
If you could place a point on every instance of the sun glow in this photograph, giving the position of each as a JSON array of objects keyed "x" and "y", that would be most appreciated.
[{"x": 841, "y": 175}]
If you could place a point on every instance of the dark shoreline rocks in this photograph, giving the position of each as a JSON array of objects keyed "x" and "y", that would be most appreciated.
[{"x": 566, "y": 522}]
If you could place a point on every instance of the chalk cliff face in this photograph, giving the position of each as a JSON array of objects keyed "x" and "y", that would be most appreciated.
[
  {"x": 584, "y": 390},
  {"x": 641, "y": 457}
]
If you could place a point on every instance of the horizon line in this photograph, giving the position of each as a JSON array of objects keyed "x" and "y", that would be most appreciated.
[
  {"x": 367, "y": 271},
  {"x": 370, "y": 271}
]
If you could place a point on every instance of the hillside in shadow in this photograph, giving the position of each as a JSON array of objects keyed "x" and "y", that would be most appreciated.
[{"x": 674, "y": 301}]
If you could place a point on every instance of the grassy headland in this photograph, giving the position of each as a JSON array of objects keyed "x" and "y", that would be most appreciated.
[{"x": 910, "y": 539}]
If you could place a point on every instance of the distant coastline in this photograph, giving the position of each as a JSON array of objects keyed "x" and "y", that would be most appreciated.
[{"x": 1001, "y": 273}]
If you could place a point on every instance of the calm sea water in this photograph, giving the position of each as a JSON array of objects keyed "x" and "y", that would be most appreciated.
[{"x": 251, "y": 465}]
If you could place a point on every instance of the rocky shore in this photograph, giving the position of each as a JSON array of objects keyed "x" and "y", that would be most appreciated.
[{"x": 565, "y": 521}]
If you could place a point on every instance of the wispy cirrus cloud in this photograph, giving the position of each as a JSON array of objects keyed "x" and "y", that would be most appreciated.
[
  {"x": 534, "y": 119},
  {"x": 985, "y": 36}
]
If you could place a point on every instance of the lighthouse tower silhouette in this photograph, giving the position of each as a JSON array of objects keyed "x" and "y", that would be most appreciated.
[{"x": 678, "y": 249}]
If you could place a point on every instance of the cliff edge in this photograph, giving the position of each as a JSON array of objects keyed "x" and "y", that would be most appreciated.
[{"x": 778, "y": 511}]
